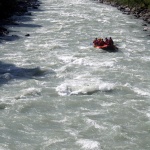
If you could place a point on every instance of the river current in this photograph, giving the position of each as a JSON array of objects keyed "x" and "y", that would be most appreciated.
[{"x": 57, "y": 92}]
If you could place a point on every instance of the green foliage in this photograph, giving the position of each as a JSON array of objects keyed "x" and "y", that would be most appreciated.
[{"x": 136, "y": 3}]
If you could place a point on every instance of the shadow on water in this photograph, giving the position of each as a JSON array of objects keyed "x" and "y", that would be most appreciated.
[
  {"x": 14, "y": 37},
  {"x": 24, "y": 18},
  {"x": 9, "y": 72},
  {"x": 29, "y": 25},
  {"x": 9, "y": 38}
]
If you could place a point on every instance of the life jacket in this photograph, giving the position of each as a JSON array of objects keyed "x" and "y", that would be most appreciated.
[
  {"x": 106, "y": 41},
  {"x": 102, "y": 43},
  {"x": 95, "y": 42},
  {"x": 111, "y": 41}
]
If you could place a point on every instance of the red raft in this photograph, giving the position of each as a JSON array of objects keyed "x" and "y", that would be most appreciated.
[{"x": 109, "y": 48}]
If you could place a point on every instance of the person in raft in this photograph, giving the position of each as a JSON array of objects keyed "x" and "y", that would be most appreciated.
[
  {"x": 96, "y": 41},
  {"x": 101, "y": 42},
  {"x": 106, "y": 41},
  {"x": 111, "y": 42}
]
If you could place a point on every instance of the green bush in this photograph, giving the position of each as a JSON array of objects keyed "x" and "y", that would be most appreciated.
[{"x": 135, "y": 3}]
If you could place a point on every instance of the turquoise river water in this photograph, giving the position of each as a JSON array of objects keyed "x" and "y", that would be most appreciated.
[{"x": 57, "y": 92}]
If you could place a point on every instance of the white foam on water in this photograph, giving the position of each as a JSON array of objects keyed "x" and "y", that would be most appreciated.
[
  {"x": 106, "y": 86},
  {"x": 94, "y": 124},
  {"x": 85, "y": 90},
  {"x": 145, "y": 58},
  {"x": 66, "y": 58},
  {"x": 72, "y": 132},
  {"x": 29, "y": 92},
  {"x": 85, "y": 47},
  {"x": 6, "y": 76},
  {"x": 2, "y": 147},
  {"x": 92, "y": 63},
  {"x": 88, "y": 144},
  {"x": 148, "y": 115},
  {"x": 107, "y": 104},
  {"x": 49, "y": 142},
  {"x": 141, "y": 92},
  {"x": 83, "y": 87},
  {"x": 72, "y": 61}
]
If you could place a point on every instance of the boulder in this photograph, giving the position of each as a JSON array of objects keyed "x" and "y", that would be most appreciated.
[{"x": 27, "y": 35}]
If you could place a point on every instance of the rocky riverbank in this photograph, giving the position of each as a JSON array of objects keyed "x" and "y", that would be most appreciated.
[
  {"x": 20, "y": 9},
  {"x": 138, "y": 12}
]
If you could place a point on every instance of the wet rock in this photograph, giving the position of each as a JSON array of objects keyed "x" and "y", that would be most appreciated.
[
  {"x": 101, "y": 1},
  {"x": 3, "y": 106},
  {"x": 114, "y": 4},
  {"x": 148, "y": 21},
  {"x": 27, "y": 35},
  {"x": 127, "y": 9},
  {"x": 145, "y": 29},
  {"x": 3, "y": 31},
  {"x": 144, "y": 24},
  {"x": 7, "y": 76}
]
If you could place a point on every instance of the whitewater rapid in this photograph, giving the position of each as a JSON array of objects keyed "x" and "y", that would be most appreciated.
[{"x": 59, "y": 92}]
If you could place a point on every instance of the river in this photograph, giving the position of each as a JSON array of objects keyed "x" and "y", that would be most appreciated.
[{"x": 57, "y": 92}]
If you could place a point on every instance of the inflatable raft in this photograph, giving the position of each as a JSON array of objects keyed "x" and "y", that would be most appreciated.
[{"x": 109, "y": 48}]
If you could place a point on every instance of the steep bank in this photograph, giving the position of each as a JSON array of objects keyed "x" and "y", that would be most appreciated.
[{"x": 18, "y": 8}]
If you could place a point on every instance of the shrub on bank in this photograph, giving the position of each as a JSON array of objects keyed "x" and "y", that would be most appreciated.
[{"x": 133, "y": 3}]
